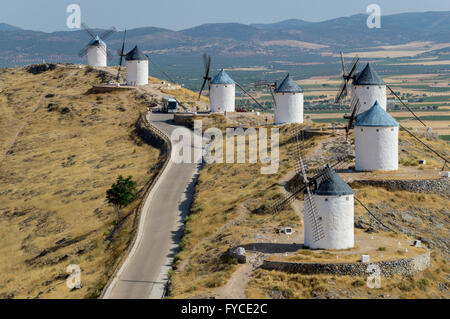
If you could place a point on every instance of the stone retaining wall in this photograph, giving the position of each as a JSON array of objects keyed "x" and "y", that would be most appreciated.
[
  {"x": 437, "y": 186},
  {"x": 406, "y": 267},
  {"x": 151, "y": 135}
]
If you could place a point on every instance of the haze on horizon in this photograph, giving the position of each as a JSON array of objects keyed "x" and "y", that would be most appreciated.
[{"x": 51, "y": 15}]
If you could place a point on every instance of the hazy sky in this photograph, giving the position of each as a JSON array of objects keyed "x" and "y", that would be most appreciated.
[{"x": 50, "y": 15}]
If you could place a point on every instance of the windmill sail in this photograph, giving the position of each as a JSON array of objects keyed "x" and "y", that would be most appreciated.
[
  {"x": 311, "y": 213},
  {"x": 343, "y": 91},
  {"x": 206, "y": 77}
]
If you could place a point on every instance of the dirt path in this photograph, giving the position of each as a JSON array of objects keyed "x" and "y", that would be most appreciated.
[{"x": 235, "y": 287}]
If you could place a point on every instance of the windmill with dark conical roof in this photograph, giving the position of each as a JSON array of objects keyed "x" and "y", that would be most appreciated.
[
  {"x": 334, "y": 202},
  {"x": 288, "y": 100},
  {"x": 137, "y": 67},
  {"x": 368, "y": 87},
  {"x": 328, "y": 202}
]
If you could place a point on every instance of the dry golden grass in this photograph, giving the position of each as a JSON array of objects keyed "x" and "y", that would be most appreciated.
[
  {"x": 55, "y": 176},
  {"x": 431, "y": 283},
  {"x": 187, "y": 98},
  {"x": 411, "y": 151},
  {"x": 382, "y": 246},
  {"x": 399, "y": 200}
]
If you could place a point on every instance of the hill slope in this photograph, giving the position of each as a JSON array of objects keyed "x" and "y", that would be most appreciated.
[{"x": 61, "y": 149}]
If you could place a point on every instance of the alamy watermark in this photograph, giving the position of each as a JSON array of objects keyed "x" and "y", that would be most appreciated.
[
  {"x": 374, "y": 278},
  {"x": 188, "y": 147},
  {"x": 74, "y": 279},
  {"x": 74, "y": 19},
  {"x": 374, "y": 18}
]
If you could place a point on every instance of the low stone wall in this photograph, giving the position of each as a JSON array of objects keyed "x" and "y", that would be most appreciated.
[
  {"x": 183, "y": 119},
  {"x": 436, "y": 186},
  {"x": 150, "y": 134},
  {"x": 406, "y": 267}
]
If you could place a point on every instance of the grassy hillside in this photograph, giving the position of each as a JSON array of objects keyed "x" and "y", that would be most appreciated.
[{"x": 61, "y": 149}]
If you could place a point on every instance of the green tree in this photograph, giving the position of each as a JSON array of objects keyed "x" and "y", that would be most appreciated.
[{"x": 121, "y": 193}]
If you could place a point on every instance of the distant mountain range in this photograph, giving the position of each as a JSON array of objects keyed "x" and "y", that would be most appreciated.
[
  {"x": 8, "y": 27},
  {"x": 283, "y": 39}
]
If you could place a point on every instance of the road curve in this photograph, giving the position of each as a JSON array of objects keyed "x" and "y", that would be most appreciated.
[{"x": 144, "y": 272}]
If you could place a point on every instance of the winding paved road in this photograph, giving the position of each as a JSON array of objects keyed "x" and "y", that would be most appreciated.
[{"x": 144, "y": 272}]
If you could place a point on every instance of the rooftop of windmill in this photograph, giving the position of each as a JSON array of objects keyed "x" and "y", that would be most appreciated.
[
  {"x": 376, "y": 116},
  {"x": 368, "y": 76},
  {"x": 222, "y": 78},
  {"x": 288, "y": 86},
  {"x": 333, "y": 186},
  {"x": 136, "y": 55},
  {"x": 97, "y": 42}
]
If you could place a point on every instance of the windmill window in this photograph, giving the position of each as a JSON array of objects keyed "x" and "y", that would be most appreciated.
[
  {"x": 326, "y": 199},
  {"x": 347, "y": 198},
  {"x": 392, "y": 130},
  {"x": 367, "y": 87},
  {"x": 365, "y": 102},
  {"x": 378, "y": 130},
  {"x": 362, "y": 129}
]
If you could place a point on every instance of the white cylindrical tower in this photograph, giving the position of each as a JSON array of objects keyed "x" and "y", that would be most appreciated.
[
  {"x": 288, "y": 102},
  {"x": 376, "y": 141},
  {"x": 222, "y": 93},
  {"x": 369, "y": 87},
  {"x": 137, "y": 67},
  {"x": 335, "y": 206},
  {"x": 97, "y": 54}
]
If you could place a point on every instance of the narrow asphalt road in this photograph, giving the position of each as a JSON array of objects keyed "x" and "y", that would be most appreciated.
[{"x": 144, "y": 272}]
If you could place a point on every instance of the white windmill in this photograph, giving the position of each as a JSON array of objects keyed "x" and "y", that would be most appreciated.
[
  {"x": 334, "y": 203},
  {"x": 96, "y": 50},
  {"x": 328, "y": 202},
  {"x": 368, "y": 87},
  {"x": 222, "y": 89},
  {"x": 137, "y": 67},
  {"x": 376, "y": 140},
  {"x": 288, "y": 99}
]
